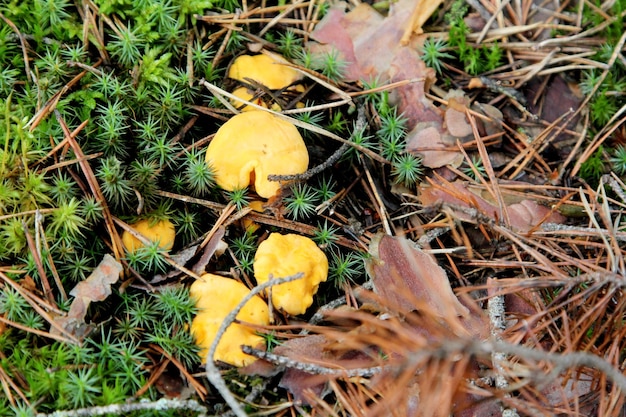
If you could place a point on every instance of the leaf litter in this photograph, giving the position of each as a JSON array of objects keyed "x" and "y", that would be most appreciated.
[
  {"x": 413, "y": 309},
  {"x": 96, "y": 287}
]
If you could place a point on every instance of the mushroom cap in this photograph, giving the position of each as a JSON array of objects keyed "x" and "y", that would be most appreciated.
[
  {"x": 285, "y": 255},
  {"x": 264, "y": 69},
  {"x": 256, "y": 144},
  {"x": 161, "y": 231},
  {"x": 216, "y": 297},
  {"x": 245, "y": 94}
]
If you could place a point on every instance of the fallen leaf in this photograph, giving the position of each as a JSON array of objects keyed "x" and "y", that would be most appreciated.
[
  {"x": 96, "y": 287},
  {"x": 436, "y": 148},
  {"x": 307, "y": 349},
  {"x": 560, "y": 97},
  {"x": 457, "y": 123},
  {"x": 409, "y": 279},
  {"x": 373, "y": 50},
  {"x": 181, "y": 258},
  {"x": 213, "y": 247},
  {"x": 171, "y": 385},
  {"x": 524, "y": 214},
  {"x": 493, "y": 125}
]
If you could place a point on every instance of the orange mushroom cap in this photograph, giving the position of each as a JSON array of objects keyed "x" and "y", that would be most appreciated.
[
  {"x": 285, "y": 255},
  {"x": 161, "y": 231},
  {"x": 255, "y": 144},
  {"x": 216, "y": 297},
  {"x": 264, "y": 69}
]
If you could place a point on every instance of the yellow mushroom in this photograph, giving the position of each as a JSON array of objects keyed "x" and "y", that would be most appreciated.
[
  {"x": 252, "y": 145},
  {"x": 245, "y": 94},
  {"x": 285, "y": 255},
  {"x": 161, "y": 231},
  {"x": 249, "y": 225},
  {"x": 216, "y": 297},
  {"x": 266, "y": 70}
]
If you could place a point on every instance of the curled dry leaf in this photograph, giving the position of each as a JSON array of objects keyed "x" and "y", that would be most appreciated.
[
  {"x": 96, "y": 287},
  {"x": 523, "y": 214},
  {"x": 436, "y": 147},
  {"x": 457, "y": 123}
]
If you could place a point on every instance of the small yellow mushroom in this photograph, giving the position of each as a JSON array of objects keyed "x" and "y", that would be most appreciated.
[
  {"x": 266, "y": 70},
  {"x": 285, "y": 255},
  {"x": 216, "y": 297},
  {"x": 252, "y": 145},
  {"x": 161, "y": 231},
  {"x": 249, "y": 225},
  {"x": 245, "y": 94}
]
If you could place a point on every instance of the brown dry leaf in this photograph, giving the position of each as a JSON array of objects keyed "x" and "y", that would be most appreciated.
[
  {"x": 96, "y": 287},
  {"x": 436, "y": 141},
  {"x": 457, "y": 123},
  {"x": 319, "y": 349},
  {"x": 213, "y": 247},
  {"x": 181, "y": 258},
  {"x": 436, "y": 147},
  {"x": 372, "y": 48},
  {"x": 524, "y": 214},
  {"x": 307, "y": 349},
  {"x": 562, "y": 392},
  {"x": 409, "y": 279}
]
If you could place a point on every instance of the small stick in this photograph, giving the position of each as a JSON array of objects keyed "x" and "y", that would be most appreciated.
[
  {"x": 359, "y": 124},
  {"x": 160, "y": 405},
  {"x": 310, "y": 368}
]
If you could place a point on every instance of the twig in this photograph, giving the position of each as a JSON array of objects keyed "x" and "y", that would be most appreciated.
[
  {"x": 562, "y": 361},
  {"x": 160, "y": 405},
  {"x": 310, "y": 368},
  {"x": 614, "y": 182},
  {"x": 450, "y": 348},
  {"x": 212, "y": 372},
  {"x": 313, "y": 171},
  {"x": 566, "y": 229},
  {"x": 495, "y": 308},
  {"x": 359, "y": 124}
]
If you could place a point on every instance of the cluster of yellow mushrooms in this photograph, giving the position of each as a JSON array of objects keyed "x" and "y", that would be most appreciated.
[
  {"x": 246, "y": 149},
  {"x": 278, "y": 256}
]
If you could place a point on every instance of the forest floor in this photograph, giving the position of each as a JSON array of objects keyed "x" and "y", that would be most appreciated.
[{"x": 453, "y": 171}]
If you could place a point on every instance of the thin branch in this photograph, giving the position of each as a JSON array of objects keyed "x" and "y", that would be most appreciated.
[
  {"x": 161, "y": 405},
  {"x": 310, "y": 368}
]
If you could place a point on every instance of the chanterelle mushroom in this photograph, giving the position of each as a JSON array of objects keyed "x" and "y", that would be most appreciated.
[
  {"x": 285, "y": 255},
  {"x": 264, "y": 69},
  {"x": 216, "y": 297},
  {"x": 161, "y": 231},
  {"x": 252, "y": 145}
]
